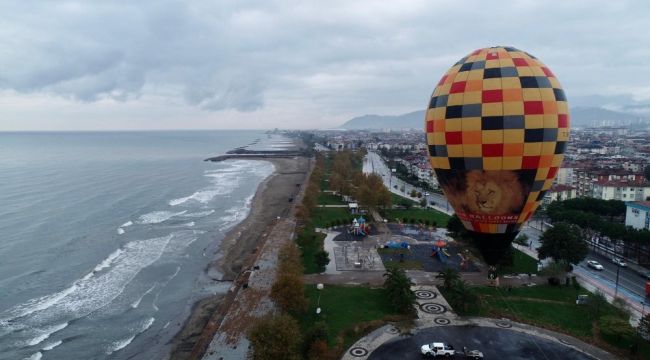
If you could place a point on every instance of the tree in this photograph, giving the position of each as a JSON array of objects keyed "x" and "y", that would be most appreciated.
[
  {"x": 449, "y": 276},
  {"x": 275, "y": 337},
  {"x": 596, "y": 305},
  {"x": 398, "y": 289},
  {"x": 423, "y": 202},
  {"x": 455, "y": 226},
  {"x": 289, "y": 260},
  {"x": 414, "y": 193},
  {"x": 322, "y": 258},
  {"x": 644, "y": 326},
  {"x": 462, "y": 295},
  {"x": 288, "y": 293},
  {"x": 563, "y": 242}
]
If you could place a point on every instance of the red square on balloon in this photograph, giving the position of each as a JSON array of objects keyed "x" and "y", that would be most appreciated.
[
  {"x": 429, "y": 126},
  {"x": 454, "y": 137},
  {"x": 520, "y": 62},
  {"x": 551, "y": 172},
  {"x": 533, "y": 108},
  {"x": 530, "y": 162},
  {"x": 490, "y": 96},
  {"x": 547, "y": 72},
  {"x": 492, "y": 150},
  {"x": 562, "y": 120},
  {"x": 457, "y": 87}
]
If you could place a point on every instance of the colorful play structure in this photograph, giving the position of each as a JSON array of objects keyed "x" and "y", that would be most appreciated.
[
  {"x": 359, "y": 227},
  {"x": 439, "y": 250}
]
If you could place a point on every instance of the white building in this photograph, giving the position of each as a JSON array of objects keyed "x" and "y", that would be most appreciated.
[
  {"x": 559, "y": 193},
  {"x": 638, "y": 215},
  {"x": 620, "y": 190}
]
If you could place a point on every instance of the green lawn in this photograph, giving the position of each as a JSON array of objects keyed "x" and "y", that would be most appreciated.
[
  {"x": 330, "y": 199},
  {"x": 522, "y": 264},
  {"x": 420, "y": 215},
  {"x": 399, "y": 200},
  {"x": 325, "y": 217},
  {"x": 344, "y": 307},
  {"x": 551, "y": 307},
  {"x": 310, "y": 242}
]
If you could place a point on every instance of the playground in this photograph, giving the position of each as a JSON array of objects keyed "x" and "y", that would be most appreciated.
[
  {"x": 358, "y": 230},
  {"x": 358, "y": 246}
]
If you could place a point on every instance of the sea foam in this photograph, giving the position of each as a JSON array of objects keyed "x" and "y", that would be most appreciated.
[{"x": 156, "y": 217}]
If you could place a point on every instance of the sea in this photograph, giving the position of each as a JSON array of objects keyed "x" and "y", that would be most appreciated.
[{"x": 105, "y": 236}]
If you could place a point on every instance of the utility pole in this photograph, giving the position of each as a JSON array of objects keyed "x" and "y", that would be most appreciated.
[{"x": 618, "y": 270}]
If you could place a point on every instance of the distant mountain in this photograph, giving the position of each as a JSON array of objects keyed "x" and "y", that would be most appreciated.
[
  {"x": 580, "y": 117},
  {"x": 412, "y": 120},
  {"x": 594, "y": 116}
]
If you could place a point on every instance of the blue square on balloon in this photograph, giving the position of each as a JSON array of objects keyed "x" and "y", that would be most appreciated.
[{"x": 472, "y": 110}]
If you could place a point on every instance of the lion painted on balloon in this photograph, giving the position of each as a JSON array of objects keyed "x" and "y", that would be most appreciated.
[{"x": 489, "y": 192}]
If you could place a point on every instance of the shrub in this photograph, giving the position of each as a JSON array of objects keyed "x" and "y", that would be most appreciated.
[{"x": 275, "y": 337}]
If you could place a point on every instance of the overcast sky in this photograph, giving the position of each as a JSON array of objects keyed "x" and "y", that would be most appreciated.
[{"x": 155, "y": 64}]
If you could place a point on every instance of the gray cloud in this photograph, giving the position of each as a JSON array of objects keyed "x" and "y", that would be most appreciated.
[{"x": 335, "y": 58}]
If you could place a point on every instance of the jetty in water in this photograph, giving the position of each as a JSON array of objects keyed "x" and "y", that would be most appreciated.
[{"x": 241, "y": 153}]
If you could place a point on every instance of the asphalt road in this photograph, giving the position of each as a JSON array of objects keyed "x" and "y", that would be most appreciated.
[
  {"x": 495, "y": 343},
  {"x": 630, "y": 283},
  {"x": 375, "y": 164}
]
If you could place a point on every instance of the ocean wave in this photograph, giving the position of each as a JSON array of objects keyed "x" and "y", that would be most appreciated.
[
  {"x": 91, "y": 292},
  {"x": 136, "y": 303},
  {"x": 189, "y": 224},
  {"x": 51, "y": 346},
  {"x": 128, "y": 223},
  {"x": 120, "y": 231},
  {"x": 198, "y": 214},
  {"x": 121, "y": 344},
  {"x": 236, "y": 213},
  {"x": 156, "y": 217},
  {"x": 108, "y": 261},
  {"x": 35, "y": 356},
  {"x": 45, "y": 333}
]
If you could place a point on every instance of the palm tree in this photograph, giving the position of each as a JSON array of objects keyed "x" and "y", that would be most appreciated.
[
  {"x": 398, "y": 289},
  {"x": 449, "y": 276},
  {"x": 462, "y": 295}
]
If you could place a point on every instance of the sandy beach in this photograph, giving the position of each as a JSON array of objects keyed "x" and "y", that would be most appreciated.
[{"x": 238, "y": 250}]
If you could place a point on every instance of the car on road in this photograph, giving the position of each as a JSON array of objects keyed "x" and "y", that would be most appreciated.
[
  {"x": 437, "y": 349},
  {"x": 619, "y": 262},
  {"x": 594, "y": 265},
  {"x": 426, "y": 193}
]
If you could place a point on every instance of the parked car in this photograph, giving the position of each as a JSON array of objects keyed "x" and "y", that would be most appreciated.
[
  {"x": 472, "y": 354},
  {"x": 594, "y": 265},
  {"x": 619, "y": 262},
  {"x": 437, "y": 349}
]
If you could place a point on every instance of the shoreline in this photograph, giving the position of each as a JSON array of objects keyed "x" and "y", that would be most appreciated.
[{"x": 237, "y": 251}]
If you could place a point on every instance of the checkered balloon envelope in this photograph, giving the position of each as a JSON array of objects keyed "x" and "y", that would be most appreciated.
[{"x": 497, "y": 127}]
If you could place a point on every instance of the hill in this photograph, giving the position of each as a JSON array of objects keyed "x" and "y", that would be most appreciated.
[{"x": 580, "y": 117}]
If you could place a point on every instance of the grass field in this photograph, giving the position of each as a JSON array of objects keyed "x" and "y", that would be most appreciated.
[
  {"x": 325, "y": 217},
  {"x": 330, "y": 199},
  {"x": 419, "y": 215},
  {"x": 344, "y": 307},
  {"x": 552, "y": 307},
  {"x": 310, "y": 243},
  {"x": 522, "y": 264}
]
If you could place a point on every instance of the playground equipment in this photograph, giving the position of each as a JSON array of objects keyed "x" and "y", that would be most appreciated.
[
  {"x": 359, "y": 227},
  {"x": 438, "y": 250}
]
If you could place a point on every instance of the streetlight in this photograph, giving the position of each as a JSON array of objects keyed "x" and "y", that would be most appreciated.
[
  {"x": 618, "y": 269},
  {"x": 320, "y": 288}
]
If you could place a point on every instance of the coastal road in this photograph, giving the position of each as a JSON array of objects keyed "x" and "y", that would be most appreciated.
[{"x": 373, "y": 163}]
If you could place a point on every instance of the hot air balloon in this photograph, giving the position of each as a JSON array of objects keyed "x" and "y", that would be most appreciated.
[{"x": 496, "y": 127}]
